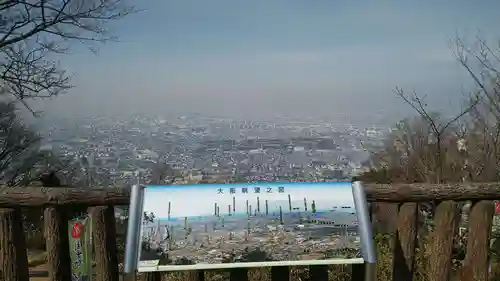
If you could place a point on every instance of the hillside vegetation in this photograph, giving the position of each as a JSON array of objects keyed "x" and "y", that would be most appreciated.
[{"x": 430, "y": 148}]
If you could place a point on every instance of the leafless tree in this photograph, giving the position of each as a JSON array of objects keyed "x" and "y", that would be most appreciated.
[
  {"x": 481, "y": 61},
  {"x": 31, "y": 34},
  {"x": 428, "y": 145},
  {"x": 33, "y": 31},
  {"x": 409, "y": 154},
  {"x": 21, "y": 160},
  {"x": 18, "y": 146},
  {"x": 437, "y": 131}
]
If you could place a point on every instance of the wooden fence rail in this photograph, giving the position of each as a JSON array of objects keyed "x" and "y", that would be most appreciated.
[{"x": 395, "y": 208}]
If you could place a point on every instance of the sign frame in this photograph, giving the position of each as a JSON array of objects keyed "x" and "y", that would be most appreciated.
[{"x": 133, "y": 239}]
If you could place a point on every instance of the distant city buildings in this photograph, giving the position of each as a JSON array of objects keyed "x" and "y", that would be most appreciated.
[{"x": 108, "y": 152}]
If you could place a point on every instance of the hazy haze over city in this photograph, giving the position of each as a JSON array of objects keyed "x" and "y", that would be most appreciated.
[{"x": 265, "y": 58}]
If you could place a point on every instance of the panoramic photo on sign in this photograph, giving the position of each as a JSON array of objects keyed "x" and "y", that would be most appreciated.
[{"x": 223, "y": 225}]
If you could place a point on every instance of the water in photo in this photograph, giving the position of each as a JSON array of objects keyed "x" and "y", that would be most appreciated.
[{"x": 230, "y": 223}]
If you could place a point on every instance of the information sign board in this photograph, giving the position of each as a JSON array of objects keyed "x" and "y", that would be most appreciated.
[{"x": 209, "y": 226}]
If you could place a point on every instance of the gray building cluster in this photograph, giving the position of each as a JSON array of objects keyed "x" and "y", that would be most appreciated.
[{"x": 107, "y": 152}]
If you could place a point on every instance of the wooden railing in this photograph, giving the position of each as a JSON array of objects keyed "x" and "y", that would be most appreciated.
[{"x": 403, "y": 199}]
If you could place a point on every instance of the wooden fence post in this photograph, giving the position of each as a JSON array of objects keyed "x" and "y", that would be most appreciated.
[
  {"x": 445, "y": 219},
  {"x": 475, "y": 266},
  {"x": 104, "y": 237},
  {"x": 384, "y": 217},
  {"x": 405, "y": 242},
  {"x": 56, "y": 236},
  {"x": 13, "y": 257}
]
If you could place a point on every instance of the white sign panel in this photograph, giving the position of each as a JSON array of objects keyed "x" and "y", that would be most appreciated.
[{"x": 209, "y": 226}]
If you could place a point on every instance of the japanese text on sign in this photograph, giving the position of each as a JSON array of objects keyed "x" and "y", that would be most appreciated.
[
  {"x": 78, "y": 253},
  {"x": 256, "y": 189},
  {"x": 80, "y": 249}
]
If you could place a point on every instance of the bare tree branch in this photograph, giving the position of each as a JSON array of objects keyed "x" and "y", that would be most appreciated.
[
  {"x": 437, "y": 127},
  {"x": 481, "y": 62},
  {"x": 32, "y": 30}
]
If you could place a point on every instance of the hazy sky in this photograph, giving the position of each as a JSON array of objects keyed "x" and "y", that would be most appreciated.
[
  {"x": 191, "y": 200},
  {"x": 257, "y": 57}
]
